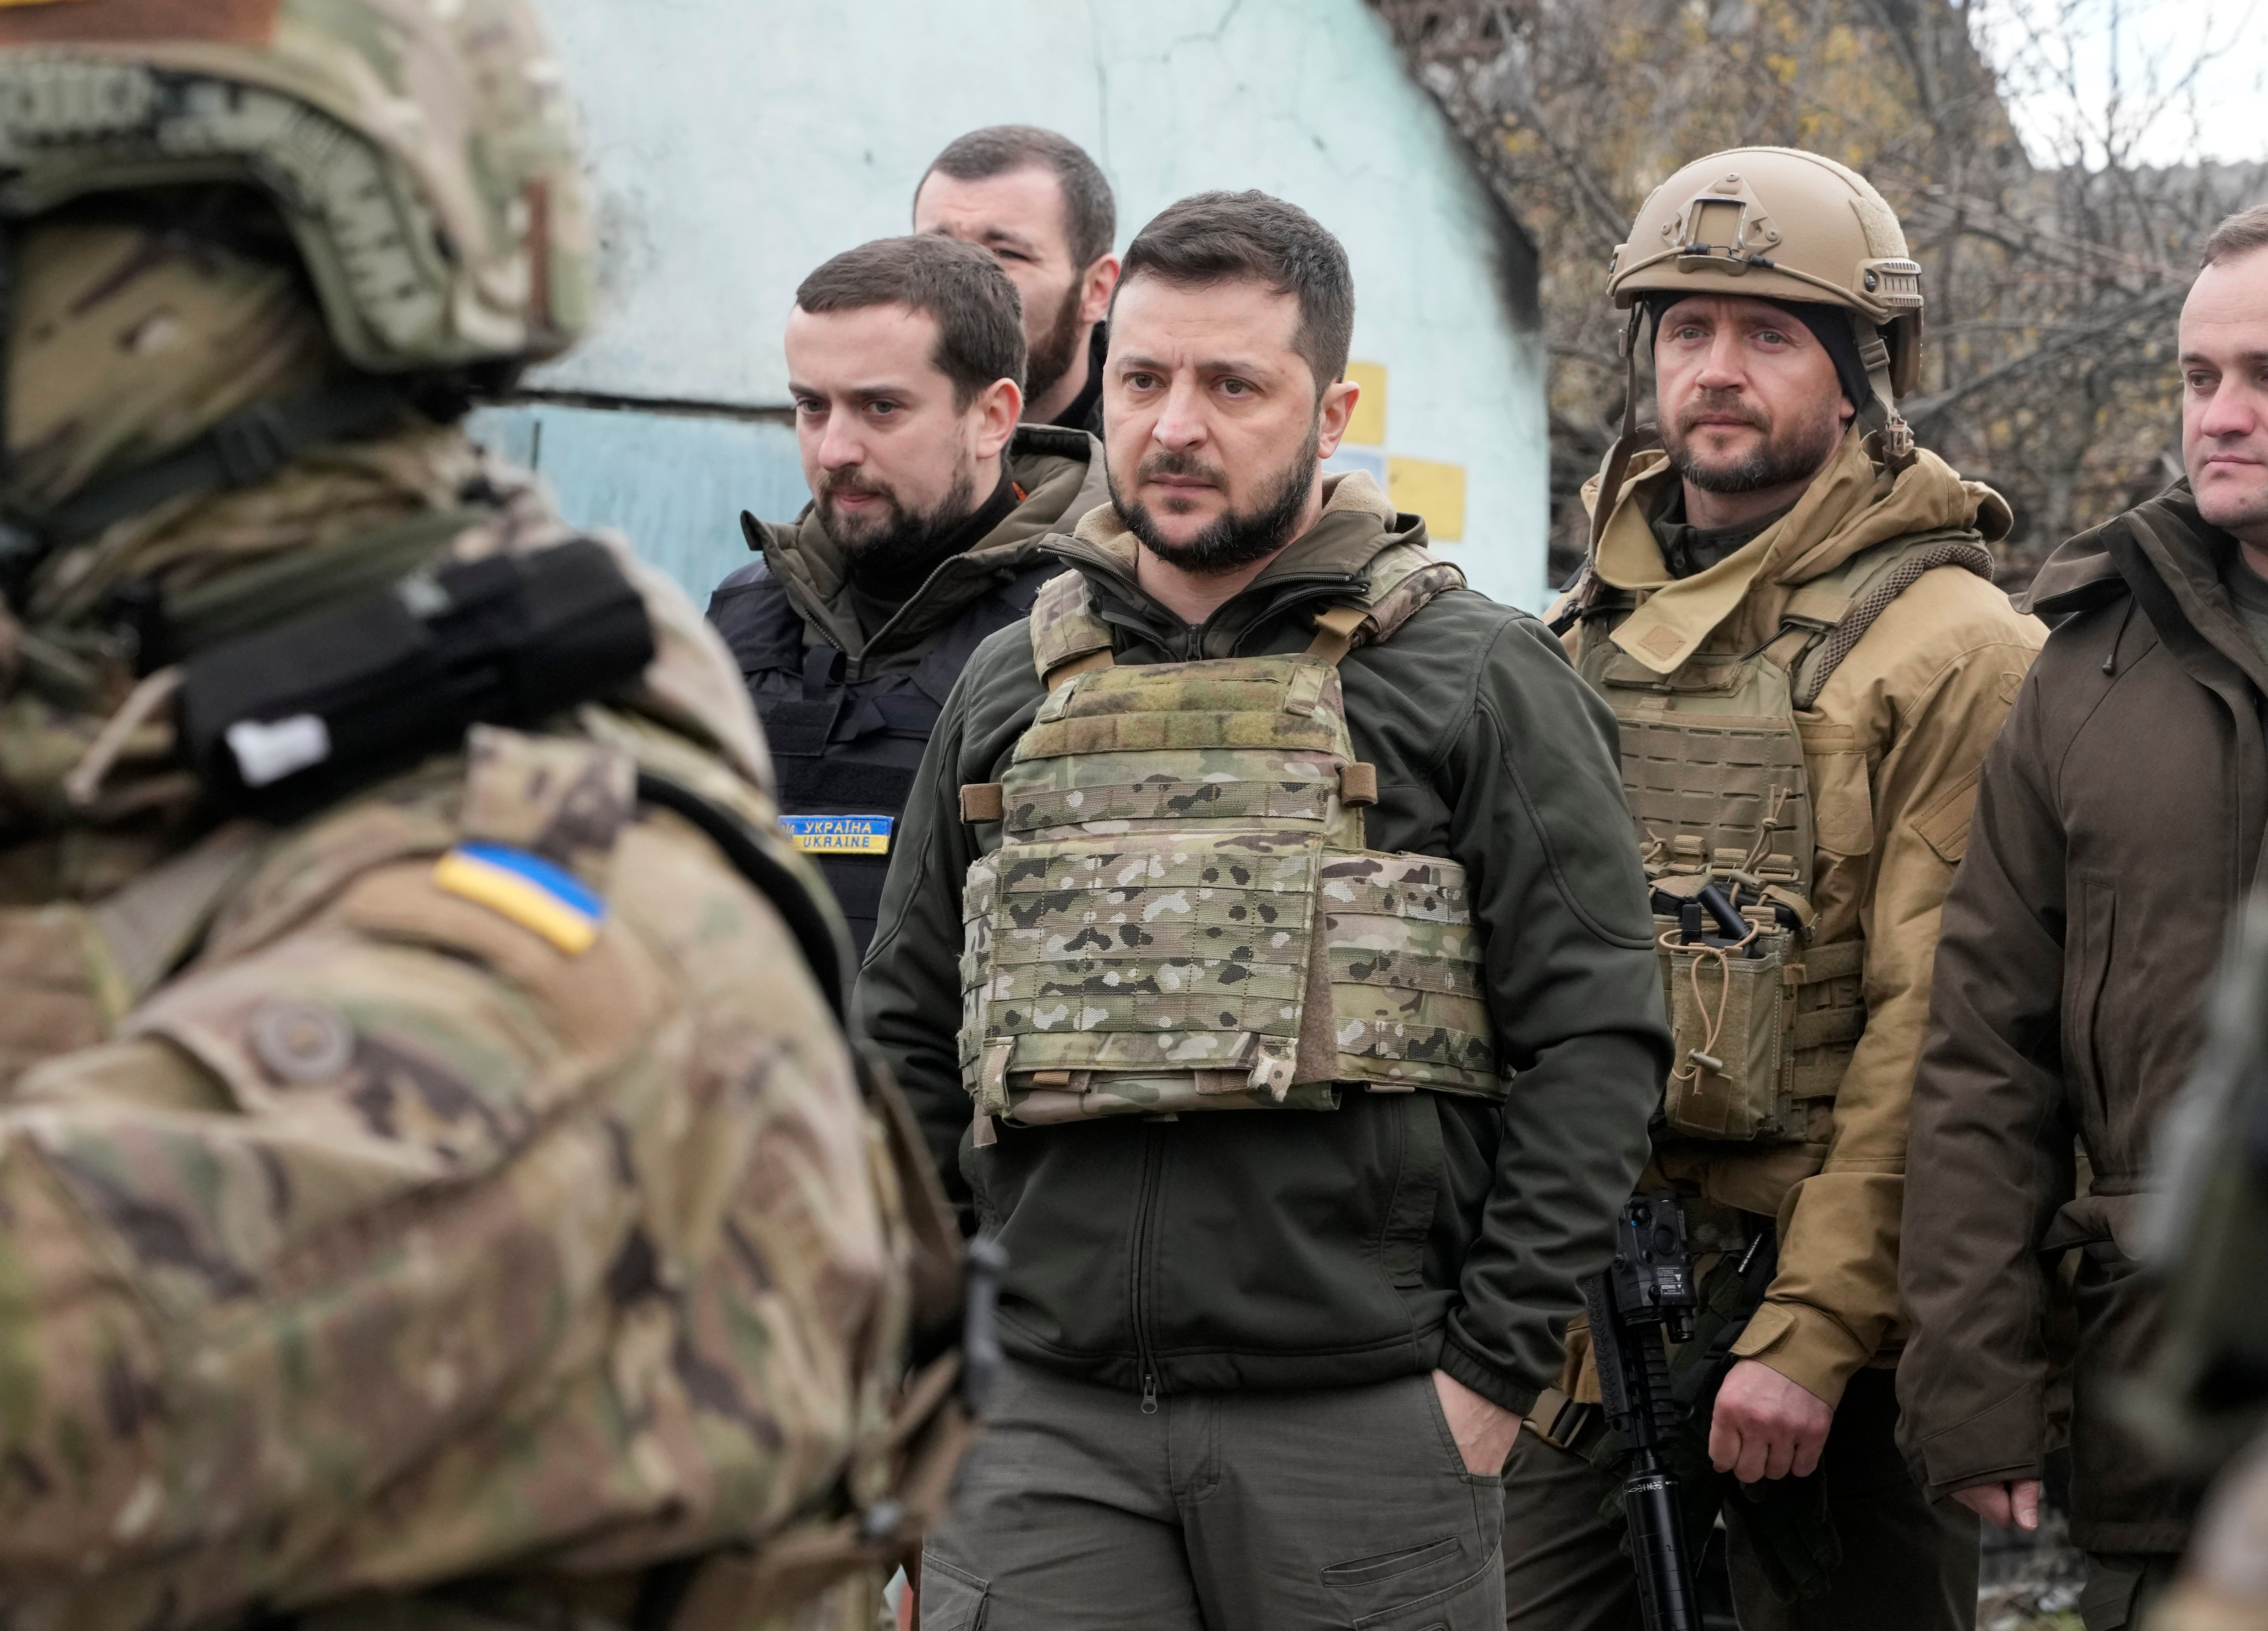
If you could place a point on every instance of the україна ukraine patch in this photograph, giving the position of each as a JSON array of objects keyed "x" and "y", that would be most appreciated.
[
  {"x": 839, "y": 835},
  {"x": 530, "y": 890}
]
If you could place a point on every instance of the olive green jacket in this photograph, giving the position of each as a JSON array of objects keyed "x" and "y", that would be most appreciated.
[
  {"x": 1059, "y": 472},
  {"x": 1279, "y": 1248}
]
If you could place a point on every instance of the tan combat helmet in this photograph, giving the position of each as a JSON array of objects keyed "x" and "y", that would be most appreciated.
[
  {"x": 421, "y": 151},
  {"x": 1777, "y": 224}
]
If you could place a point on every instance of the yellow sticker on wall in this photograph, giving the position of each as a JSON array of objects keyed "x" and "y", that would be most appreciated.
[
  {"x": 1366, "y": 425},
  {"x": 1434, "y": 491}
]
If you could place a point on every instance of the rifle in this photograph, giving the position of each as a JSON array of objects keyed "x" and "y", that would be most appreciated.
[{"x": 1646, "y": 1294}]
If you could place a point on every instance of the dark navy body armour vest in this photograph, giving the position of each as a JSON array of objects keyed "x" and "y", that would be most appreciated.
[{"x": 846, "y": 750}]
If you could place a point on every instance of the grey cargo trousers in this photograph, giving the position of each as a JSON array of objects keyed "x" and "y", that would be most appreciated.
[
  {"x": 1246, "y": 1511},
  {"x": 1907, "y": 1565}
]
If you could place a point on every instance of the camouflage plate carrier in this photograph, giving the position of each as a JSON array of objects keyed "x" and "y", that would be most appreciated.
[
  {"x": 1765, "y": 1023},
  {"x": 1182, "y": 915}
]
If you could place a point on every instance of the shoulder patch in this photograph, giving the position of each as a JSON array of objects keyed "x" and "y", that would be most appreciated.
[{"x": 530, "y": 891}]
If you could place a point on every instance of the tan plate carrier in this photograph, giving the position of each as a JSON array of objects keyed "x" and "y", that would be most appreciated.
[
  {"x": 1182, "y": 915},
  {"x": 1714, "y": 768}
]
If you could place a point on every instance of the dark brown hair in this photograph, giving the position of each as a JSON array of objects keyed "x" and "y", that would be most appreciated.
[
  {"x": 2239, "y": 234},
  {"x": 1090, "y": 213},
  {"x": 1221, "y": 237},
  {"x": 980, "y": 318}
]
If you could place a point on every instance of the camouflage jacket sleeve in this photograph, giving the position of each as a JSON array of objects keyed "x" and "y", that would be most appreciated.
[{"x": 392, "y": 1241}]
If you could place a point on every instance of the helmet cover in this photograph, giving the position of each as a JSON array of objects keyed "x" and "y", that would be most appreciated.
[{"x": 421, "y": 151}]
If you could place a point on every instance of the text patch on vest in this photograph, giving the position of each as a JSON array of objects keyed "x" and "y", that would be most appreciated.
[{"x": 840, "y": 835}]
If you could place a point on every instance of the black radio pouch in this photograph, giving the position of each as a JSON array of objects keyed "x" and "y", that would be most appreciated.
[{"x": 282, "y": 722}]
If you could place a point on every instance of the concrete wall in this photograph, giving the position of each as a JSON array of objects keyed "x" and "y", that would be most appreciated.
[{"x": 736, "y": 144}]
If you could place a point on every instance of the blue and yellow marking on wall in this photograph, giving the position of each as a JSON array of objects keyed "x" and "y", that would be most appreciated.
[
  {"x": 530, "y": 890},
  {"x": 839, "y": 835}
]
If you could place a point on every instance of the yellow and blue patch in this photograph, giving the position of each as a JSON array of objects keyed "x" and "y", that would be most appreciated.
[
  {"x": 530, "y": 890},
  {"x": 839, "y": 835}
]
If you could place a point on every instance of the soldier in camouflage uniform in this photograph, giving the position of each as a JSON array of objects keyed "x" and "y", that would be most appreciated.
[
  {"x": 1305, "y": 1027},
  {"x": 434, "y": 1188}
]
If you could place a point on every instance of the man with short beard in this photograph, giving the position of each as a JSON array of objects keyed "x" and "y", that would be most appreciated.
[
  {"x": 906, "y": 361},
  {"x": 1789, "y": 609},
  {"x": 1040, "y": 205},
  {"x": 2119, "y": 831},
  {"x": 1269, "y": 974}
]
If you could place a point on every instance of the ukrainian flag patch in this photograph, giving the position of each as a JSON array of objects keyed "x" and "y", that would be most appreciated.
[
  {"x": 839, "y": 835},
  {"x": 530, "y": 890}
]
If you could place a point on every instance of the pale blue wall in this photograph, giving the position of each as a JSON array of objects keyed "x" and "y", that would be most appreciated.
[
  {"x": 736, "y": 144},
  {"x": 675, "y": 483}
]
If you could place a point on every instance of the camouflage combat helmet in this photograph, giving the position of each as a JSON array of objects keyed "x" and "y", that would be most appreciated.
[
  {"x": 1778, "y": 224},
  {"x": 421, "y": 151}
]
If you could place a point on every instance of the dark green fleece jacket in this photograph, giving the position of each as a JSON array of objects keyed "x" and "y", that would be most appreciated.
[{"x": 1400, "y": 1233}]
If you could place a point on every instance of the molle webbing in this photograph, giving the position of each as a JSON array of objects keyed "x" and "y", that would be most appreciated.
[
  {"x": 1182, "y": 915},
  {"x": 1069, "y": 638},
  {"x": 1721, "y": 792}
]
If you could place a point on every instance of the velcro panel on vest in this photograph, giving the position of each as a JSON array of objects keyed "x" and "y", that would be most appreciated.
[
  {"x": 1172, "y": 788},
  {"x": 1194, "y": 706},
  {"x": 1716, "y": 777}
]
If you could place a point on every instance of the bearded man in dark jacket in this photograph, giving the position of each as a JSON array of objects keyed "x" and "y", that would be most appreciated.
[
  {"x": 1266, "y": 958},
  {"x": 2119, "y": 824},
  {"x": 906, "y": 359}
]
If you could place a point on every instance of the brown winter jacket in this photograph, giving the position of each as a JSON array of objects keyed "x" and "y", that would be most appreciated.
[{"x": 2118, "y": 821}]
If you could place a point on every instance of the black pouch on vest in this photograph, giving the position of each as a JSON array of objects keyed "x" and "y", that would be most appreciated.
[{"x": 281, "y": 722}]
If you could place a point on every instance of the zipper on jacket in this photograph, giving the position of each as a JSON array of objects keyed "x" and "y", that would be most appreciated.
[{"x": 1137, "y": 1304}]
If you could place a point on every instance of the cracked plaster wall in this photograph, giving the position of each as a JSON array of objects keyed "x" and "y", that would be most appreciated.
[{"x": 735, "y": 144}]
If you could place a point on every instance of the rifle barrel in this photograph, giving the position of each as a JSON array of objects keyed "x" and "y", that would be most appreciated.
[{"x": 1665, "y": 1586}]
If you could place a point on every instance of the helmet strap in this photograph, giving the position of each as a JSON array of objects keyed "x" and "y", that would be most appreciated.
[
  {"x": 1888, "y": 438},
  {"x": 1618, "y": 456},
  {"x": 242, "y": 450}
]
